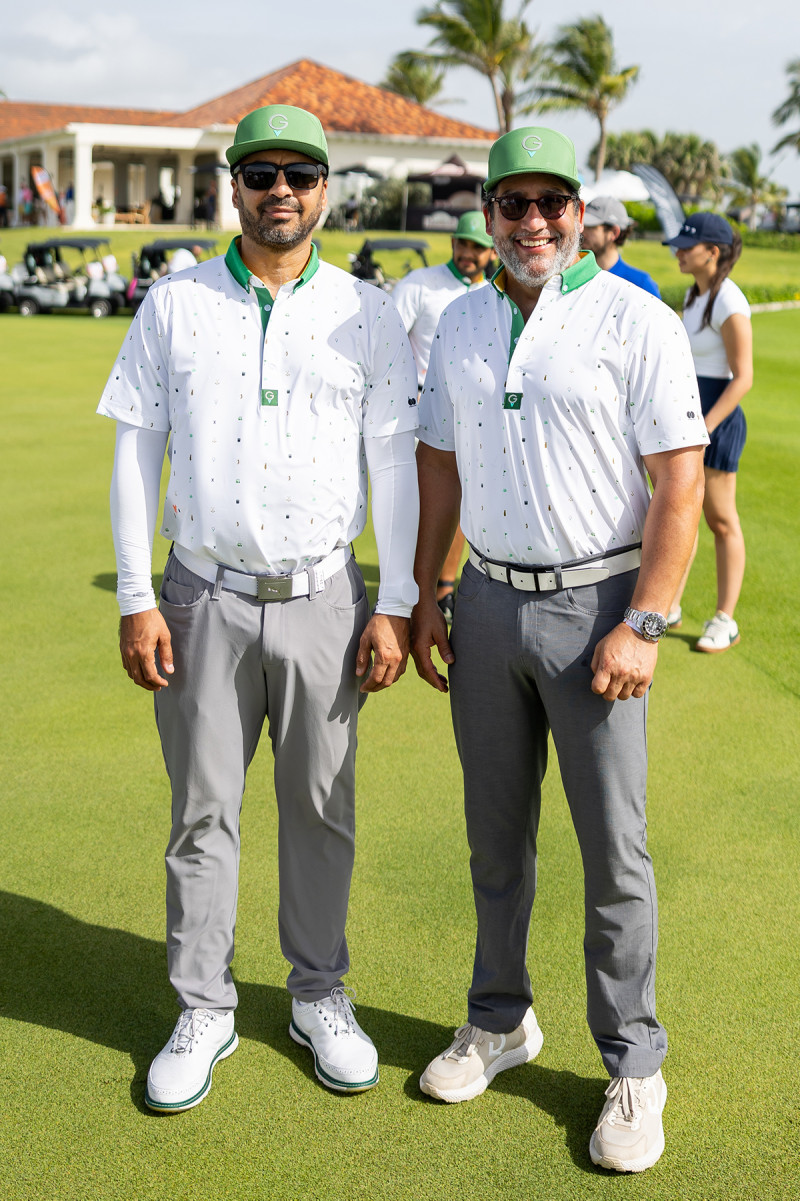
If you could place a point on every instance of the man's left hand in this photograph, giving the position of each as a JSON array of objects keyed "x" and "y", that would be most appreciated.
[
  {"x": 623, "y": 664},
  {"x": 387, "y": 640}
]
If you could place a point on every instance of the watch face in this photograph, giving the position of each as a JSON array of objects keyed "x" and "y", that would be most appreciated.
[{"x": 654, "y": 626}]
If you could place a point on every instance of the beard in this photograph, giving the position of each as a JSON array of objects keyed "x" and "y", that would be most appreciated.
[
  {"x": 530, "y": 273},
  {"x": 261, "y": 229}
]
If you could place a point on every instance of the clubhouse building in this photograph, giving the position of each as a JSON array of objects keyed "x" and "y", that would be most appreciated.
[{"x": 115, "y": 165}]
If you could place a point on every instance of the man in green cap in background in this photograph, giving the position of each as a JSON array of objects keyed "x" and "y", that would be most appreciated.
[
  {"x": 549, "y": 397},
  {"x": 279, "y": 381},
  {"x": 421, "y": 298}
]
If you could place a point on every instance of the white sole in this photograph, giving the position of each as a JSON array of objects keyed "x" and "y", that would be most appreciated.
[{"x": 510, "y": 1059}]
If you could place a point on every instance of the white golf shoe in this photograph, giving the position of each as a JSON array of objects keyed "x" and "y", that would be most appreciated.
[
  {"x": 345, "y": 1058},
  {"x": 180, "y": 1075}
]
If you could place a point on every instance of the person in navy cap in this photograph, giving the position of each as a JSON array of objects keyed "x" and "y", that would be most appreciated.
[{"x": 717, "y": 319}]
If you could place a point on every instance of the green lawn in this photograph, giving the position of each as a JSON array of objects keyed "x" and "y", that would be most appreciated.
[{"x": 84, "y": 1000}]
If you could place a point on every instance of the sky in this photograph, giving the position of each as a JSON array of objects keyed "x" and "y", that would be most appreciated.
[{"x": 710, "y": 69}]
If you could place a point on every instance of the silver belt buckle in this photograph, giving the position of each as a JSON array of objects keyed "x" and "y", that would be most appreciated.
[{"x": 273, "y": 587}]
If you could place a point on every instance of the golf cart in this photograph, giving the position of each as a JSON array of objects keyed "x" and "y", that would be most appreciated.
[
  {"x": 6, "y": 286},
  {"x": 154, "y": 260},
  {"x": 47, "y": 279},
  {"x": 364, "y": 266}
]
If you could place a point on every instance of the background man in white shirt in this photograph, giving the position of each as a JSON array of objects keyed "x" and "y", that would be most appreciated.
[
  {"x": 547, "y": 396},
  {"x": 279, "y": 380},
  {"x": 421, "y": 298}
]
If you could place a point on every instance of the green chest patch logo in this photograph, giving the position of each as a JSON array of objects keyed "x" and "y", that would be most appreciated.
[
  {"x": 269, "y": 396},
  {"x": 512, "y": 400}
]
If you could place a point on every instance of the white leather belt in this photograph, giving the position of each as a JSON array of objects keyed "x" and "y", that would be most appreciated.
[
  {"x": 555, "y": 578},
  {"x": 307, "y": 582}
]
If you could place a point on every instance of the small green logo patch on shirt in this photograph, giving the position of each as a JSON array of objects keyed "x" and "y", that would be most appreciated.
[
  {"x": 512, "y": 400},
  {"x": 269, "y": 396}
]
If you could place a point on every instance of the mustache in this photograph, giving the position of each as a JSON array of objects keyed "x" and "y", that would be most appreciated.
[{"x": 288, "y": 203}]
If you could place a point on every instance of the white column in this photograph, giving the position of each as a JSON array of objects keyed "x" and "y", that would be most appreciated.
[
  {"x": 83, "y": 185},
  {"x": 16, "y": 178},
  {"x": 185, "y": 180}
]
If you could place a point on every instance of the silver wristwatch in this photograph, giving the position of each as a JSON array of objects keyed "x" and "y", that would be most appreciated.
[{"x": 651, "y": 626}]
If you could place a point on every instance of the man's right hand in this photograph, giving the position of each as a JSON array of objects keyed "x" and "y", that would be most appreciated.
[
  {"x": 140, "y": 636},
  {"x": 429, "y": 628}
]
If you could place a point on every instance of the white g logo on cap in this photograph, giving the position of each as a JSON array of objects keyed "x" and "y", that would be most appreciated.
[
  {"x": 532, "y": 143},
  {"x": 278, "y": 123}
]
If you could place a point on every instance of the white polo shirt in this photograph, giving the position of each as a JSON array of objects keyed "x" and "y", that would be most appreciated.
[
  {"x": 549, "y": 419},
  {"x": 421, "y": 297},
  {"x": 267, "y": 401}
]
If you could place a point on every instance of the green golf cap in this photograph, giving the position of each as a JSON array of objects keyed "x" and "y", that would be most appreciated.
[
  {"x": 472, "y": 228},
  {"x": 532, "y": 148},
  {"x": 278, "y": 127}
]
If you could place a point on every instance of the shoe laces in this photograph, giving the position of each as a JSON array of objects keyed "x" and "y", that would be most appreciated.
[
  {"x": 626, "y": 1093},
  {"x": 338, "y": 1010},
  {"x": 466, "y": 1040},
  {"x": 188, "y": 1029}
]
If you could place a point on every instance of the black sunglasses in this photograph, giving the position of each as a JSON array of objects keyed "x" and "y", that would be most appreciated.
[
  {"x": 260, "y": 177},
  {"x": 514, "y": 208}
]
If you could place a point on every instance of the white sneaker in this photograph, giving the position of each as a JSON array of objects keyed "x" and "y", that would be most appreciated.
[
  {"x": 675, "y": 618},
  {"x": 345, "y": 1058},
  {"x": 718, "y": 634},
  {"x": 180, "y": 1075},
  {"x": 475, "y": 1057},
  {"x": 629, "y": 1136}
]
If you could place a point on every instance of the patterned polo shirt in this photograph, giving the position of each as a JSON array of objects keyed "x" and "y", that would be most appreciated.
[
  {"x": 421, "y": 297},
  {"x": 267, "y": 401},
  {"x": 550, "y": 418}
]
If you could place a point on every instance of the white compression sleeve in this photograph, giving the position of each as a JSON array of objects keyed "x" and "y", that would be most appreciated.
[
  {"x": 395, "y": 517},
  {"x": 135, "y": 483}
]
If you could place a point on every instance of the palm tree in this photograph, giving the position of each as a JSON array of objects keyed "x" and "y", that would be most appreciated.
[
  {"x": 748, "y": 187},
  {"x": 790, "y": 108},
  {"x": 478, "y": 34},
  {"x": 625, "y": 149},
  {"x": 415, "y": 77},
  {"x": 583, "y": 73}
]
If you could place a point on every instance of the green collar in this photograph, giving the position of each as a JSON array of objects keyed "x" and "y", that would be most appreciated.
[
  {"x": 462, "y": 279},
  {"x": 574, "y": 277},
  {"x": 243, "y": 274}
]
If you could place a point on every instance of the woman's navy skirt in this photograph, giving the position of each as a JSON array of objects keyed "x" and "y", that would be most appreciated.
[{"x": 728, "y": 439}]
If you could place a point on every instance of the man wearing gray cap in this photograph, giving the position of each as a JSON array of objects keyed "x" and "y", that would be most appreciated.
[
  {"x": 605, "y": 228},
  {"x": 279, "y": 381},
  {"x": 421, "y": 298},
  {"x": 550, "y": 396}
]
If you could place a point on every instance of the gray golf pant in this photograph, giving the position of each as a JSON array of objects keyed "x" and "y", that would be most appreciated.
[
  {"x": 237, "y": 662},
  {"x": 523, "y": 668}
]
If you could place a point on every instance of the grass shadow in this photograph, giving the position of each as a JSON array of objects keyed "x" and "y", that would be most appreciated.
[{"x": 110, "y": 987}]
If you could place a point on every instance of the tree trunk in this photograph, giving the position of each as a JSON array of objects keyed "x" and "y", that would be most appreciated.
[
  {"x": 502, "y": 124},
  {"x": 601, "y": 149}
]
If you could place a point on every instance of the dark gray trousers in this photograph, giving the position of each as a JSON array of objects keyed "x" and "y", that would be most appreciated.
[
  {"x": 522, "y": 669},
  {"x": 237, "y": 662}
]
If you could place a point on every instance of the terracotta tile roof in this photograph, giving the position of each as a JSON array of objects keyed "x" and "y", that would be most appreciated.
[
  {"x": 19, "y": 119},
  {"x": 341, "y": 103}
]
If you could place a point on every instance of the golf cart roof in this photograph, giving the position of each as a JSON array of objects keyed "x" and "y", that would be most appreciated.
[
  {"x": 179, "y": 244},
  {"x": 397, "y": 244},
  {"x": 71, "y": 243}
]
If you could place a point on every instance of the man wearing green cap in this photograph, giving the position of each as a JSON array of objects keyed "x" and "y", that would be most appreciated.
[
  {"x": 421, "y": 298},
  {"x": 549, "y": 398},
  {"x": 279, "y": 381}
]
